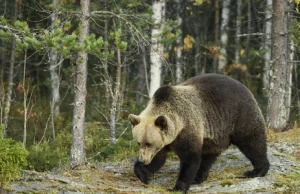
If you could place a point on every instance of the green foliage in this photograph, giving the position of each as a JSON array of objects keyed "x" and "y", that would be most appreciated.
[
  {"x": 12, "y": 159},
  {"x": 22, "y": 26},
  {"x": 170, "y": 33},
  {"x": 4, "y": 36},
  {"x": 3, "y": 20},
  {"x": 117, "y": 37},
  {"x": 98, "y": 147},
  {"x": 295, "y": 33},
  {"x": 94, "y": 45},
  {"x": 48, "y": 155}
]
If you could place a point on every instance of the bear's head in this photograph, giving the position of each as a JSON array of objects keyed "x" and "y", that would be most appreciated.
[{"x": 152, "y": 133}]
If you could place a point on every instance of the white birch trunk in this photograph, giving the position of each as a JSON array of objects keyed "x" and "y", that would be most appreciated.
[
  {"x": 217, "y": 33},
  {"x": 115, "y": 100},
  {"x": 157, "y": 48},
  {"x": 54, "y": 73},
  {"x": 224, "y": 35},
  {"x": 279, "y": 101},
  {"x": 249, "y": 28},
  {"x": 179, "y": 43},
  {"x": 267, "y": 44},
  {"x": 238, "y": 31},
  {"x": 25, "y": 95},
  {"x": 10, "y": 76},
  {"x": 78, "y": 141}
]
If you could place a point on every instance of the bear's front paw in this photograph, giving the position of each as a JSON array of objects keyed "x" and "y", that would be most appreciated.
[
  {"x": 141, "y": 172},
  {"x": 181, "y": 186},
  {"x": 250, "y": 174}
]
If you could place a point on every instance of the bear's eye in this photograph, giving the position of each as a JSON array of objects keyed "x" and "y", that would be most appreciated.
[{"x": 148, "y": 144}]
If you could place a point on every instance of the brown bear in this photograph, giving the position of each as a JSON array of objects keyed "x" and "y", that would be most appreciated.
[{"x": 198, "y": 119}]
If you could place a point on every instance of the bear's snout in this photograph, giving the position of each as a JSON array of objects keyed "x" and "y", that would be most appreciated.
[{"x": 145, "y": 157}]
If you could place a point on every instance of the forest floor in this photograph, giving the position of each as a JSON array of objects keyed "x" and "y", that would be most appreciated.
[{"x": 110, "y": 177}]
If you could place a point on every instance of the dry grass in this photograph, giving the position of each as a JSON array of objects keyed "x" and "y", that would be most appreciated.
[{"x": 292, "y": 135}]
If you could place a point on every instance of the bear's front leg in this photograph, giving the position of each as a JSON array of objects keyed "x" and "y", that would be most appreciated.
[
  {"x": 141, "y": 172},
  {"x": 189, "y": 166}
]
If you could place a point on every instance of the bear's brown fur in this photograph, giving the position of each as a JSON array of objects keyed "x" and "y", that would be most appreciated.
[{"x": 198, "y": 119}]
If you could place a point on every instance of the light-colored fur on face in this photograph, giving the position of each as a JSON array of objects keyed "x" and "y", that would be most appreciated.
[
  {"x": 152, "y": 138},
  {"x": 149, "y": 137}
]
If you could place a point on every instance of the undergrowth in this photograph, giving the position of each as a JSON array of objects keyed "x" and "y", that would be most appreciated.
[
  {"x": 47, "y": 155},
  {"x": 12, "y": 159}
]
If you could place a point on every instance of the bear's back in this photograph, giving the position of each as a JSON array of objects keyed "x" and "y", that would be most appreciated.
[
  {"x": 224, "y": 91},
  {"x": 227, "y": 104}
]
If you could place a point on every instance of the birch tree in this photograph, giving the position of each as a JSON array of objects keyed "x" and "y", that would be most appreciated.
[
  {"x": 216, "y": 32},
  {"x": 249, "y": 26},
  {"x": 238, "y": 31},
  {"x": 10, "y": 74},
  {"x": 54, "y": 57},
  {"x": 179, "y": 61},
  {"x": 279, "y": 101},
  {"x": 224, "y": 35},
  {"x": 117, "y": 90},
  {"x": 157, "y": 49},
  {"x": 267, "y": 43},
  {"x": 78, "y": 142}
]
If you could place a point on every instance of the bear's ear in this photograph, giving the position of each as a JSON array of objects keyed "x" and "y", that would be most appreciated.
[
  {"x": 161, "y": 122},
  {"x": 134, "y": 119}
]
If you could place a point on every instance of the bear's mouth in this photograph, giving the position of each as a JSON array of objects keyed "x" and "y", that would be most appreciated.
[{"x": 145, "y": 160}]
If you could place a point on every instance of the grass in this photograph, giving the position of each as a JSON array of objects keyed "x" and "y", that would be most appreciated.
[
  {"x": 292, "y": 135},
  {"x": 290, "y": 181},
  {"x": 229, "y": 174}
]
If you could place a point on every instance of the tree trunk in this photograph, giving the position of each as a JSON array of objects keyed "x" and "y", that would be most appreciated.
[
  {"x": 142, "y": 76},
  {"x": 179, "y": 44},
  {"x": 224, "y": 35},
  {"x": 78, "y": 142},
  {"x": 115, "y": 100},
  {"x": 249, "y": 28},
  {"x": 267, "y": 45},
  {"x": 157, "y": 48},
  {"x": 106, "y": 77},
  {"x": 238, "y": 31},
  {"x": 10, "y": 75},
  {"x": 25, "y": 95},
  {"x": 281, "y": 69},
  {"x": 217, "y": 33},
  {"x": 54, "y": 73},
  {"x": 197, "y": 62}
]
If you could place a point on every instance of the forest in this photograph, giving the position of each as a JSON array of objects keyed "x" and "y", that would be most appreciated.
[{"x": 71, "y": 71}]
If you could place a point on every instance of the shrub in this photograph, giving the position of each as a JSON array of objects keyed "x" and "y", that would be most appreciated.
[
  {"x": 98, "y": 147},
  {"x": 12, "y": 159},
  {"x": 46, "y": 156}
]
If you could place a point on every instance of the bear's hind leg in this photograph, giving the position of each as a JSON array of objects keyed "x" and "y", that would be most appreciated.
[
  {"x": 207, "y": 161},
  {"x": 256, "y": 152}
]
